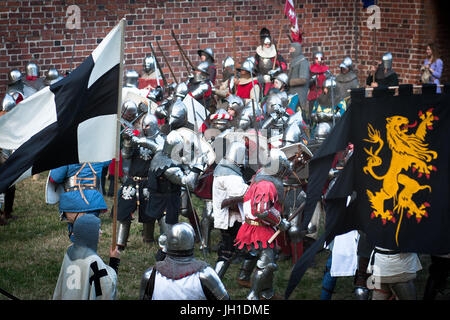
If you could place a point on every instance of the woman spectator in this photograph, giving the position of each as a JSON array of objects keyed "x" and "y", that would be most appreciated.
[{"x": 432, "y": 67}]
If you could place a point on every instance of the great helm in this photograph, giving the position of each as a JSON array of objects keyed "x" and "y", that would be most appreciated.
[
  {"x": 131, "y": 79},
  {"x": 273, "y": 103},
  {"x": 32, "y": 69},
  {"x": 387, "y": 60},
  {"x": 149, "y": 64},
  {"x": 208, "y": 51},
  {"x": 129, "y": 110},
  {"x": 180, "y": 240},
  {"x": 14, "y": 76}
]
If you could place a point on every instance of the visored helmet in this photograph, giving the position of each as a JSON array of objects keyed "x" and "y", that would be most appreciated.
[
  {"x": 129, "y": 110},
  {"x": 347, "y": 63},
  {"x": 387, "y": 60},
  {"x": 8, "y": 102},
  {"x": 177, "y": 115},
  {"x": 236, "y": 153},
  {"x": 150, "y": 125}
]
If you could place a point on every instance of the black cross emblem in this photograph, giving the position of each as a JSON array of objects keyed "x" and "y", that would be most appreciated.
[{"x": 96, "y": 278}]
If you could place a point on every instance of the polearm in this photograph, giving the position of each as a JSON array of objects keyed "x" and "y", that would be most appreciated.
[
  {"x": 299, "y": 209},
  {"x": 118, "y": 127},
  {"x": 276, "y": 48},
  {"x": 167, "y": 62},
  {"x": 158, "y": 66},
  {"x": 182, "y": 52},
  {"x": 234, "y": 46}
]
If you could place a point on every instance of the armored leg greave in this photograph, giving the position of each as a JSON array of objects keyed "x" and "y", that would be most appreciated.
[
  {"x": 361, "y": 276},
  {"x": 123, "y": 233},
  {"x": 262, "y": 281},
  {"x": 148, "y": 231},
  {"x": 207, "y": 223},
  {"x": 247, "y": 267}
]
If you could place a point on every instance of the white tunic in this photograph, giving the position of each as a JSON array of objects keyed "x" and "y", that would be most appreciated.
[
  {"x": 394, "y": 264},
  {"x": 225, "y": 187},
  {"x": 187, "y": 288}
]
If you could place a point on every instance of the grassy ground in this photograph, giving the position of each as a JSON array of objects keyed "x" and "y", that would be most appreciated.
[{"x": 32, "y": 248}]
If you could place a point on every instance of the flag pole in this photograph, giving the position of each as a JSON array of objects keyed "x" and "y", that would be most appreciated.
[{"x": 117, "y": 156}]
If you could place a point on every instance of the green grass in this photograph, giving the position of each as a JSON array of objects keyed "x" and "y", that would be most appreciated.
[{"x": 32, "y": 248}]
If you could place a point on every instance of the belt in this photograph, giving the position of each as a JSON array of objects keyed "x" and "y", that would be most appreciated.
[
  {"x": 81, "y": 187},
  {"x": 253, "y": 222},
  {"x": 139, "y": 178},
  {"x": 376, "y": 250}
]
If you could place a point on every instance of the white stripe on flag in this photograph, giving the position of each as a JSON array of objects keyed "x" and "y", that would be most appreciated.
[
  {"x": 24, "y": 175},
  {"x": 27, "y": 118},
  {"x": 96, "y": 141},
  {"x": 108, "y": 52}
]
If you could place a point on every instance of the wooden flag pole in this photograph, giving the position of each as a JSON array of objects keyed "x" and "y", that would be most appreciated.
[{"x": 117, "y": 156}]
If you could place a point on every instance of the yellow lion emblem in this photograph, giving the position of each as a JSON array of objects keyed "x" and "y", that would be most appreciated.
[{"x": 408, "y": 151}]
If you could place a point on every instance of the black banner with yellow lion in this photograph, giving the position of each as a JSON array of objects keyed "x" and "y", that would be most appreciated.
[{"x": 397, "y": 176}]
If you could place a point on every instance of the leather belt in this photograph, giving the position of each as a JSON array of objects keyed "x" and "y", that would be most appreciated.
[
  {"x": 253, "y": 222},
  {"x": 139, "y": 178}
]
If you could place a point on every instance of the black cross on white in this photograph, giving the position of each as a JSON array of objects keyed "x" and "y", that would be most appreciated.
[{"x": 96, "y": 278}]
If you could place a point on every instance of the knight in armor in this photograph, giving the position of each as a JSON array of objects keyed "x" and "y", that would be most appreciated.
[
  {"x": 227, "y": 85},
  {"x": 207, "y": 55},
  {"x": 33, "y": 78},
  {"x": 97, "y": 280},
  {"x": 248, "y": 88},
  {"x": 149, "y": 78},
  {"x": 17, "y": 88},
  {"x": 318, "y": 71},
  {"x": 383, "y": 74},
  {"x": 263, "y": 212},
  {"x": 168, "y": 173},
  {"x": 180, "y": 276},
  {"x": 228, "y": 184},
  {"x": 82, "y": 191},
  {"x": 276, "y": 116},
  {"x": 346, "y": 79},
  {"x": 268, "y": 62},
  {"x": 200, "y": 86},
  {"x": 220, "y": 126},
  {"x": 135, "y": 191},
  {"x": 281, "y": 82},
  {"x": 298, "y": 77},
  {"x": 327, "y": 109}
]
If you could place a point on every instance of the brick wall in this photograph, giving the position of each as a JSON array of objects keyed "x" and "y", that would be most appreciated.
[{"x": 36, "y": 31}]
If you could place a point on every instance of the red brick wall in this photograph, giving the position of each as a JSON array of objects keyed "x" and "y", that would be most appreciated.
[{"x": 31, "y": 31}]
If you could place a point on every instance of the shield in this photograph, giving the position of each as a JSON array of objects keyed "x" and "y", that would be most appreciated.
[
  {"x": 195, "y": 146},
  {"x": 251, "y": 140},
  {"x": 299, "y": 155},
  {"x": 52, "y": 191},
  {"x": 134, "y": 95},
  {"x": 196, "y": 112}
]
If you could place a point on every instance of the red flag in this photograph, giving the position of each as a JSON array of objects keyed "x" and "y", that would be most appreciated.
[{"x": 289, "y": 11}]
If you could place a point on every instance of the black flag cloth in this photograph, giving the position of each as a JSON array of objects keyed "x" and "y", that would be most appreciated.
[
  {"x": 399, "y": 172},
  {"x": 72, "y": 121}
]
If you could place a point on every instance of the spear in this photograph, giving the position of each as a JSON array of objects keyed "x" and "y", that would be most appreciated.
[{"x": 167, "y": 62}]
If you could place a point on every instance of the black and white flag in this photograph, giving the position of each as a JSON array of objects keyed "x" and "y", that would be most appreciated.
[{"x": 72, "y": 121}]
